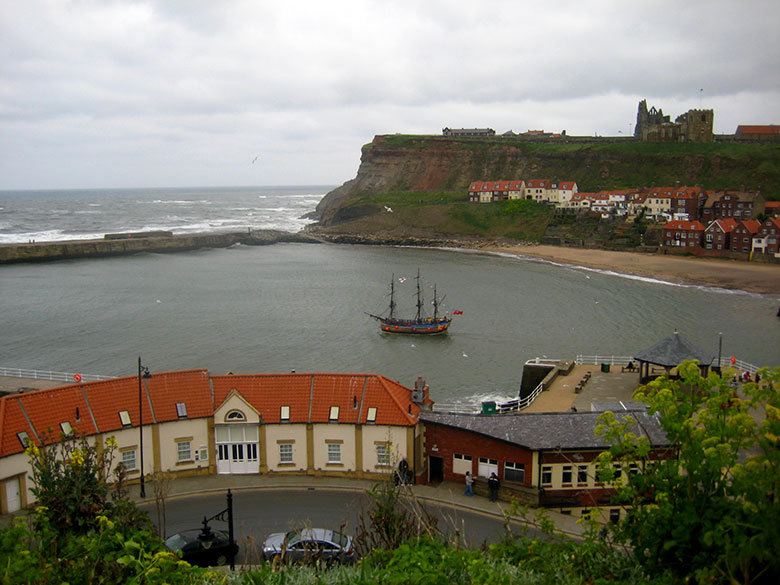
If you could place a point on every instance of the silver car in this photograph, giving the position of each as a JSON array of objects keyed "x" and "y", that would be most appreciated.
[{"x": 309, "y": 545}]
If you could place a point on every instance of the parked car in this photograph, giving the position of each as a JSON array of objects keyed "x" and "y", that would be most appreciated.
[
  {"x": 309, "y": 545},
  {"x": 199, "y": 548}
]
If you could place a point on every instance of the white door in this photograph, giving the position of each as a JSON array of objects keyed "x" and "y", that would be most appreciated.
[
  {"x": 12, "y": 496},
  {"x": 237, "y": 446}
]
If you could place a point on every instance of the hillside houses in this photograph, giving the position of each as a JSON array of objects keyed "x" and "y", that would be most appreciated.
[{"x": 694, "y": 219}]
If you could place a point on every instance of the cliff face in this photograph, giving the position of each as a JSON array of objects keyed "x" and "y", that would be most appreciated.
[{"x": 393, "y": 164}]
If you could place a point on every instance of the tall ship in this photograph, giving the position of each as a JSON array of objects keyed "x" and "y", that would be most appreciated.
[{"x": 420, "y": 324}]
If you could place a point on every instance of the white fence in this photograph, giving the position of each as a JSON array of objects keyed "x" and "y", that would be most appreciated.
[
  {"x": 612, "y": 360},
  {"x": 55, "y": 376},
  {"x": 621, "y": 360}
]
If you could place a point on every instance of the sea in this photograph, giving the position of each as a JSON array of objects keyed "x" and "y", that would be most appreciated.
[{"x": 303, "y": 307}]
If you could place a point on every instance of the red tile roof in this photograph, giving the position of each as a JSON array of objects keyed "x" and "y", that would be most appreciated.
[
  {"x": 684, "y": 225},
  {"x": 726, "y": 225},
  {"x": 770, "y": 130},
  {"x": 309, "y": 397},
  {"x": 751, "y": 225}
]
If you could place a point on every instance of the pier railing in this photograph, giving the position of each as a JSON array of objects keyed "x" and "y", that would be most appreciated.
[
  {"x": 55, "y": 376},
  {"x": 621, "y": 360},
  {"x": 612, "y": 360}
]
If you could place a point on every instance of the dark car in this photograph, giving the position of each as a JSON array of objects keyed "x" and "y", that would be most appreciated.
[
  {"x": 309, "y": 545},
  {"x": 204, "y": 549}
]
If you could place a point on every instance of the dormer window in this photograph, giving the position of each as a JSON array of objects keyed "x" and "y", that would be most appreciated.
[
  {"x": 124, "y": 418},
  {"x": 181, "y": 410},
  {"x": 371, "y": 415},
  {"x": 235, "y": 416},
  {"x": 66, "y": 427},
  {"x": 24, "y": 439},
  {"x": 284, "y": 414},
  {"x": 334, "y": 414}
]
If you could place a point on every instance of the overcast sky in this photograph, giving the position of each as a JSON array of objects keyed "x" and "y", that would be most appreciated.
[{"x": 188, "y": 92}]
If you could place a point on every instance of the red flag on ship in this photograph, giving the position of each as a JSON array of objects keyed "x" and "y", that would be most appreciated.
[{"x": 457, "y": 312}]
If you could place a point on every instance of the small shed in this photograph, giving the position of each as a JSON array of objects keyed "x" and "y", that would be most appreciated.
[{"x": 669, "y": 353}]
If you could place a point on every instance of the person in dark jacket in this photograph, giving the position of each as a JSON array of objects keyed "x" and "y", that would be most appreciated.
[{"x": 493, "y": 484}]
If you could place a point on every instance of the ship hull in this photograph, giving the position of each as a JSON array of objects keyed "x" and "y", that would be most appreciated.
[{"x": 427, "y": 327}]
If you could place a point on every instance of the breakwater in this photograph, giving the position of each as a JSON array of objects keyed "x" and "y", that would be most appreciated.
[{"x": 72, "y": 249}]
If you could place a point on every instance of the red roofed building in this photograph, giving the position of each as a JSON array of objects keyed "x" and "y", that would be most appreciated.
[
  {"x": 683, "y": 234},
  {"x": 193, "y": 423},
  {"x": 688, "y": 201},
  {"x": 772, "y": 208},
  {"x": 489, "y": 191},
  {"x": 767, "y": 238},
  {"x": 742, "y": 236},
  {"x": 717, "y": 236},
  {"x": 770, "y": 132},
  {"x": 537, "y": 189}
]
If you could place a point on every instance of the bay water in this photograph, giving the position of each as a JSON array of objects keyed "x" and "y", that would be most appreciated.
[{"x": 302, "y": 307}]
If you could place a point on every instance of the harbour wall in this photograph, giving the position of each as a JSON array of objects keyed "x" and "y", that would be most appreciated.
[{"x": 138, "y": 243}]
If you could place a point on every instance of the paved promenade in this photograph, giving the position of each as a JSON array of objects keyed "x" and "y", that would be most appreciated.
[
  {"x": 445, "y": 494},
  {"x": 561, "y": 396}
]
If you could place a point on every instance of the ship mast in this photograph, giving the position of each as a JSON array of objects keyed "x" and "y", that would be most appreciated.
[
  {"x": 435, "y": 305},
  {"x": 392, "y": 296},
  {"x": 419, "y": 298}
]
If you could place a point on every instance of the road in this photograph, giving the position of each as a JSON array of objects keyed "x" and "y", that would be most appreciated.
[{"x": 257, "y": 513}]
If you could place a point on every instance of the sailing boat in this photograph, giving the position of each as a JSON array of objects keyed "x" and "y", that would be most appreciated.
[{"x": 420, "y": 324}]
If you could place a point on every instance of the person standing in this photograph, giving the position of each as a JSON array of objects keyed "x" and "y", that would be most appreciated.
[
  {"x": 493, "y": 484},
  {"x": 469, "y": 483}
]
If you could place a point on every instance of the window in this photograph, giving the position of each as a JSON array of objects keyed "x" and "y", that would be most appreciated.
[
  {"x": 514, "y": 471},
  {"x": 617, "y": 470},
  {"x": 285, "y": 414},
  {"x": 204, "y": 453},
  {"x": 334, "y": 452},
  {"x": 181, "y": 410},
  {"x": 382, "y": 454},
  {"x": 614, "y": 515},
  {"x": 128, "y": 460},
  {"x": 487, "y": 466},
  {"x": 334, "y": 414},
  {"x": 235, "y": 415},
  {"x": 582, "y": 474},
  {"x": 566, "y": 475},
  {"x": 371, "y": 416},
  {"x": 547, "y": 475},
  {"x": 461, "y": 463},
  {"x": 285, "y": 452},
  {"x": 66, "y": 427},
  {"x": 24, "y": 439},
  {"x": 124, "y": 418},
  {"x": 184, "y": 450}
]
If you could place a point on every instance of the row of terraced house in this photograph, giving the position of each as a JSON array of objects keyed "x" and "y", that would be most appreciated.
[
  {"x": 694, "y": 219},
  {"x": 190, "y": 422}
]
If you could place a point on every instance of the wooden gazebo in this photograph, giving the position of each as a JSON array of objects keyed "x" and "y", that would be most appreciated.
[{"x": 669, "y": 353}]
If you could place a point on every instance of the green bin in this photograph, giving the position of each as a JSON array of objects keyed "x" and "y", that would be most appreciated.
[
  {"x": 489, "y": 407},
  {"x": 605, "y": 368}
]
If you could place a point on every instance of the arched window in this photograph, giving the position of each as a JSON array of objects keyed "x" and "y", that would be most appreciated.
[{"x": 235, "y": 416}]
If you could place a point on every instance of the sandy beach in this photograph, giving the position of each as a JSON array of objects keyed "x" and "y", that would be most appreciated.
[{"x": 728, "y": 274}]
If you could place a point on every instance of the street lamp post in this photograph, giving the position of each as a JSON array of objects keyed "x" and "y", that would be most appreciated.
[{"x": 142, "y": 371}]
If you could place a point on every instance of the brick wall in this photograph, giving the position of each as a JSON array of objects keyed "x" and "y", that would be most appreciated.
[{"x": 444, "y": 442}]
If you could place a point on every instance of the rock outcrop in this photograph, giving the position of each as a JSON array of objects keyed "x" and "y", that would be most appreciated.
[{"x": 399, "y": 163}]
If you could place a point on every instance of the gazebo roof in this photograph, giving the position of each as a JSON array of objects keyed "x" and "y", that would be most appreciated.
[{"x": 672, "y": 351}]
